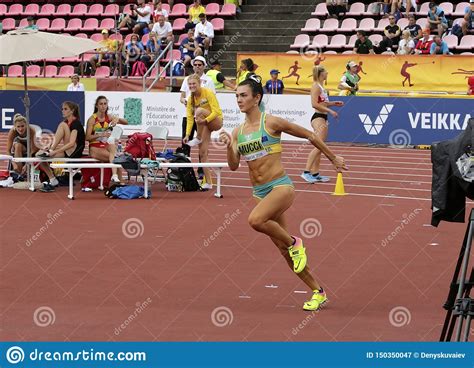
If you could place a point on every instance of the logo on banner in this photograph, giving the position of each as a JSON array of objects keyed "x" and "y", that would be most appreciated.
[{"x": 374, "y": 128}]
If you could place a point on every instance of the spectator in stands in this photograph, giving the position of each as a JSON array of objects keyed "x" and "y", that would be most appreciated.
[
  {"x": 423, "y": 46},
  {"x": 468, "y": 22},
  {"x": 188, "y": 49},
  {"x": 247, "y": 68},
  {"x": 436, "y": 19},
  {"x": 31, "y": 23},
  {"x": 439, "y": 47},
  {"x": 406, "y": 44},
  {"x": 139, "y": 19},
  {"x": 164, "y": 31},
  {"x": 75, "y": 85},
  {"x": 203, "y": 34},
  {"x": 106, "y": 53},
  {"x": 363, "y": 45},
  {"x": 391, "y": 36},
  {"x": 403, "y": 6},
  {"x": 133, "y": 51},
  {"x": 220, "y": 82},
  {"x": 195, "y": 10},
  {"x": 151, "y": 50},
  {"x": 16, "y": 142},
  {"x": 349, "y": 83},
  {"x": 415, "y": 29},
  {"x": 159, "y": 11},
  {"x": 337, "y": 8},
  {"x": 274, "y": 86},
  {"x": 189, "y": 24}
]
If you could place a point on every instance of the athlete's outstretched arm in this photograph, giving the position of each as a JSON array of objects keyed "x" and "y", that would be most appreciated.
[
  {"x": 284, "y": 126},
  {"x": 233, "y": 155}
]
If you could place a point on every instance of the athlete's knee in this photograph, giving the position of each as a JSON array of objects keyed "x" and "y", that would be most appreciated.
[{"x": 256, "y": 222}]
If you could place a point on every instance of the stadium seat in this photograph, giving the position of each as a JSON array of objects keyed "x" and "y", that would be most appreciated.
[
  {"x": 107, "y": 23},
  {"x": 218, "y": 24},
  {"x": 375, "y": 38},
  {"x": 458, "y": 21},
  {"x": 8, "y": 24},
  {"x": 175, "y": 53},
  {"x": 43, "y": 24},
  {"x": 228, "y": 10},
  {"x": 23, "y": 23},
  {"x": 178, "y": 24},
  {"x": 15, "y": 10},
  {"x": 3, "y": 10},
  {"x": 312, "y": 25},
  {"x": 126, "y": 9},
  {"x": 301, "y": 41},
  {"x": 15, "y": 71},
  {"x": 95, "y": 10},
  {"x": 79, "y": 10},
  {"x": 145, "y": 39},
  {"x": 347, "y": 52},
  {"x": 33, "y": 71},
  {"x": 382, "y": 24},
  {"x": 349, "y": 25},
  {"x": 459, "y": 11},
  {"x": 31, "y": 10},
  {"x": 179, "y": 10},
  {"x": 212, "y": 9},
  {"x": 467, "y": 43},
  {"x": 81, "y": 35},
  {"x": 116, "y": 36},
  {"x": 356, "y": 10},
  {"x": 166, "y": 7},
  {"x": 292, "y": 52},
  {"x": 330, "y": 25},
  {"x": 422, "y": 22},
  {"x": 50, "y": 71},
  {"x": 97, "y": 37},
  {"x": 321, "y": 10},
  {"x": 448, "y": 8},
  {"x": 57, "y": 25},
  {"x": 330, "y": 52},
  {"x": 351, "y": 43},
  {"x": 74, "y": 25},
  {"x": 423, "y": 10},
  {"x": 90, "y": 25},
  {"x": 111, "y": 10},
  {"x": 66, "y": 71},
  {"x": 367, "y": 25},
  {"x": 155, "y": 71},
  {"x": 47, "y": 10},
  {"x": 180, "y": 39},
  {"x": 467, "y": 53},
  {"x": 337, "y": 42},
  {"x": 402, "y": 23},
  {"x": 320, "y": 41},
  {"x": 63, "y": 10},
  {"x": 127, "y": 38},
  {"x": 451, "y": 40}
]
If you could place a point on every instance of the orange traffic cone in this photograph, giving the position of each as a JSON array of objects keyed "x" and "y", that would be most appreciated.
[{"x": 339, "y": 190}]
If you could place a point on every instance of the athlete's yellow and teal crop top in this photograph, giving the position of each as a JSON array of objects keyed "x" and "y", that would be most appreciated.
[{"x": 257, "y": 144}]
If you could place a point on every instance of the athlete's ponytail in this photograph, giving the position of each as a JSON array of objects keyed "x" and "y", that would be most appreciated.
[{"x": 255, "y": 83}]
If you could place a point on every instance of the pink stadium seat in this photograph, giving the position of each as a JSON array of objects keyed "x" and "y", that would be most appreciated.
[
  {"x": 458, "y": 21},
  {"x": 145, "y": 39},
  {"x": 111, "y": 10},
  {"x": 320, "y": 41},
  {"x": 178, "y": 24},
  {"x": 330, "y": 52},
  {"x": 301, "y": 41},
  {"x": 423, "y": 9},
  {"x": 347, "y": 52},
  {"x": 107, "y": 23},
  {"x": 212, "y": 9},
  {"x": 81, "y": 35},
  {"x": 46, "y": 10},
  {"x": 459, "y": 12},
  {"x": 382, "y": 24},
  {"x": 127, "y": 38},
  {"x": 97, "y": 37},
  {"x": 116, "y": 36},
  {"x": 90, "y": 25},
  {"x": 180, "y": 39},
  {"x": 66, "y": 71},
  {"x": 351, "y": 43},
  {"x": 95, "y": 10},
  {"x": 31, "y": 9},
  {"x": 176, "y": 55},
  {"x": 467, "y": 43},
  {"x": 321, "y": 10},
  {"x": 228, "y": 10},
  {"x": 179, "y": 10},
  {"x": 74, "y": 25},
  {"x": 63, "y": 10},
  {"x": 367, "y": 24},
  {"x": 356, "y": 10},
  {"x": 15, "y": 71},
  {"x": 402, "y": 23},
  {"x": 375, "y": 38},
  {"x": 368, "y": 11},
  {"x": 312, "y": 25},
  {"x": 15, "y": 10},
  {"x": 3, "y": 10},
  {"x": 330, "y": 25},
  {"x": 218, "y": 24},
  {"x": 43, "y": 24},
  {"x": 69, "y": 60},
  {"x": 349, "y": 25},
  {"x": 50, "y": 71},
  {"x": 57, "y": 25},
  {"x": 451, "y": 40},
  {"x": 467, "y": 53},
  {"x": 23, "y": 23},
  {"x": 422, "y": 22},
  {"x": 79, "y": 10},
  {"x": 8, "y": 24},
  {"x": 337, "y": 41},
  {"x": 126, "y": 9},
  {"x": 448, "y": 8},
  {"x": 155, "y": 71},
  {"x": 33, "y": 71}
]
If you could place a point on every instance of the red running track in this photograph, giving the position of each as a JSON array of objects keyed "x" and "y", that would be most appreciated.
[{"x": 148, "y": 270}]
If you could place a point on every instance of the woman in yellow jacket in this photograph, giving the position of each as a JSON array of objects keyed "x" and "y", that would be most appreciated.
[
  {"x": 195, "y": 9},
  {"x": 202, "y": 107}
]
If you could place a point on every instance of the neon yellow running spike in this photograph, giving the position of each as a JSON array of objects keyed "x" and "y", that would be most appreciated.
[
  {"x": 318, "y": 300},
  {"x": 298, "y": 256}
]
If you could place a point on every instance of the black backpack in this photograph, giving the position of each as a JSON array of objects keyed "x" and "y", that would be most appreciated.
[{"x": 182, "y": 178}]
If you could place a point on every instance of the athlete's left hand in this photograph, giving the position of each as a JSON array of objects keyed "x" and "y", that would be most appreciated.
[
  {"x": 339, "y": 163},
  {"x": 338, "y": 103}
]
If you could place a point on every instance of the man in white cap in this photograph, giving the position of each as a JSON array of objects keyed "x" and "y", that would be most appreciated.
[{"x": 349, "y": 83}]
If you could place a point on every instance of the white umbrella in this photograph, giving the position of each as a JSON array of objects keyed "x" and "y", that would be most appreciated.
[{"x": 24, "y": 45}]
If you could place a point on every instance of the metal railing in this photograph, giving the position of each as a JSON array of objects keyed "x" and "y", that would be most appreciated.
[{"x": 156, "y": 64}]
